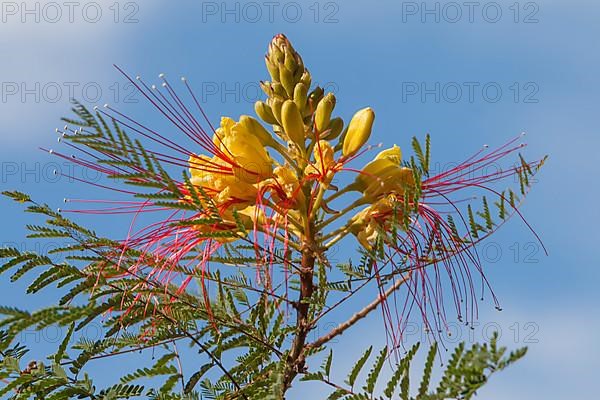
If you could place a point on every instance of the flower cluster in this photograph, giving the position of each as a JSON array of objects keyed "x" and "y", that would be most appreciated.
[{"x": 274, "y": 183}]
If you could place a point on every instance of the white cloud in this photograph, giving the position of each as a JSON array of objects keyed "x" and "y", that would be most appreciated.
[{"x": 56, "y": 50}]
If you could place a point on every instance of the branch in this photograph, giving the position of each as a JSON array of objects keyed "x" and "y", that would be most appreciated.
[{"x": 341, "y": 328}]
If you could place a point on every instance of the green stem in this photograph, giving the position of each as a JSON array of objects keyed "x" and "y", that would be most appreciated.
[
  {"x": 318, "y": 200},
  {"x": 336, "y": 239}
]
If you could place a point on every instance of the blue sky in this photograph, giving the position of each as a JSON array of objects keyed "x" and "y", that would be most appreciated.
[{"x": 532, "y": 66}]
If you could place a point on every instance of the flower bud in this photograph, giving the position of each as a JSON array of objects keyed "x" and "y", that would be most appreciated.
[
  {"x": 276, "y": 105},
  {"x": 278, "y": 90},
  {"x": 264, "y": 112},
  {"x": 253, "y": 127},
  {"x": 290, "y": 60},
  {"x": 301, "y": 96},
  {"x": 273, "y": 70},
  {"x": 284, "y": 64},
  {"x": 323, "y": 112},
  {"x": 306, "y": 79},
  {"x": 287, "y": 80},
  {"x": 314, "y": 98},
  {"x": 275, "y": 54},
  {"x": 292, "y": 122},
  {"x": 359, "y": 131},
  {"x": 336, "y": 126}
]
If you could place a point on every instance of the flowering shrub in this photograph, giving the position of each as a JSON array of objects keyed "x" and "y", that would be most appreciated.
[{"x": 235, "y": 256}]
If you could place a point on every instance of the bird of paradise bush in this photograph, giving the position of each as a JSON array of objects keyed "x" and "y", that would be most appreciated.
[{"x": 236, "y": 255}]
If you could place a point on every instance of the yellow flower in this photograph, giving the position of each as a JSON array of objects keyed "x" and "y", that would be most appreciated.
[
  {"x": 324, "y": 156},
  {"x": 384, "y": 175},
  {"x": 393, "y": 153},
  {"x": 285, "y": 188},
  {"x": 224, "y": 188},
  {"x": 249, "y": 158},
  {"x": 223, "y": 130},
  {"x": 359, "y": 131},
  {"x": 385, "y": 162},
  {"x": 395, "y": 180},
  {"x": 367, "y": 224}
]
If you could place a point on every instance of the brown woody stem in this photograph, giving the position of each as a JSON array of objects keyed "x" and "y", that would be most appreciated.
[{"x": 297, "y": 356}]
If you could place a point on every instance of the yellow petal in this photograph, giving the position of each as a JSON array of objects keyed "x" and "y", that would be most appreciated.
[{"x": 393, "y": 153}]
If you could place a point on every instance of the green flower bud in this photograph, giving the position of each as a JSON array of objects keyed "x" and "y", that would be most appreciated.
[
  {"x": 336, "y": 126},
  {"x": 256, "y": 129},
  {"x": 273, "y": 70},
  {"x": 290, "y": 60},
  {"x": 275, "y": 53},
  {"x": 266, "y": 87},
  {"x": 264, "y": 112},
  {"x": 301, "y": 96},
  {"x": 292, "y": 122},
  {"x": 314, "y": 98},
  {"x": 306, "y": 79},
  {"x": 323, "y": 112},
  {"x": 276, "y": 105},
  {"x": 279, "y": 90},
  {"x": 284, "y": 64},
  {"x": 359, "y": 131},
  {"x": 287, "y": 80}
]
